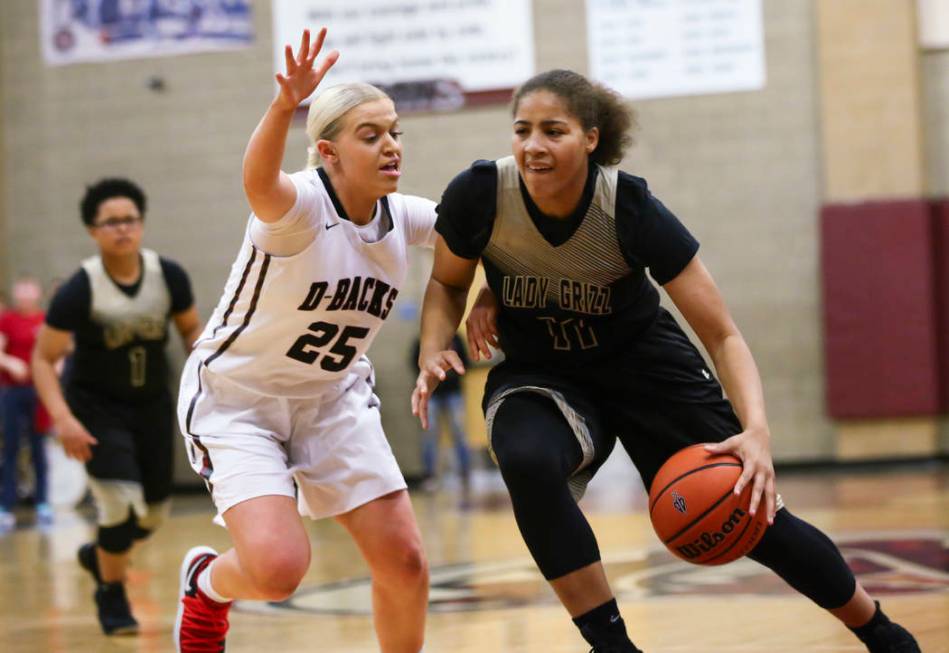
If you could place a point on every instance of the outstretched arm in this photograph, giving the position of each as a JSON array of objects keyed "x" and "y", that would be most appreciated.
[
  {"x": 696, "y": 295},
  {"x": 442, "y": 310},
  {"x": 269, "y": 190}
]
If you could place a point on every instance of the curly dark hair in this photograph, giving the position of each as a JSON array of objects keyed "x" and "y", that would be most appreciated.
[
  {"x": 593, "y": 105},
  {"x": 106, "y": 189}
]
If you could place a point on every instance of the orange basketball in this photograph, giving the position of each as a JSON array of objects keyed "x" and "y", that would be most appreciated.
[{"x": 695, "y": 512}]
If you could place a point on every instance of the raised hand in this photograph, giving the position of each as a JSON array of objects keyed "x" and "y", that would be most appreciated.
[{"x": 301, "y": 77}]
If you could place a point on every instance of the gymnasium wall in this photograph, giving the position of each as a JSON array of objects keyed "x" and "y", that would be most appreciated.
[
  {"x": 742, "y": 170},
  {"x": 4, "y": 244},
  {"x": 935, "y": 90}
]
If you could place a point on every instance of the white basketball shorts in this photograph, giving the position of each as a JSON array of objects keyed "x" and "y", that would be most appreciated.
[{"x": 247, "y": 445}]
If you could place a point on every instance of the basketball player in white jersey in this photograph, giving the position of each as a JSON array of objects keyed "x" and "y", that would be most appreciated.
[{"x": 279, "y": 388}]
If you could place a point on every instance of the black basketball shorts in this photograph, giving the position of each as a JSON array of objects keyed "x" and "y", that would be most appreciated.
[
  {"x": 135, "y": 440},
  {"x": 657, "y": 396}
]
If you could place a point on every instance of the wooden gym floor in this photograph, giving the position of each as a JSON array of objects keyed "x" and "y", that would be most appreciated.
[{"x": 892, "y": 525}]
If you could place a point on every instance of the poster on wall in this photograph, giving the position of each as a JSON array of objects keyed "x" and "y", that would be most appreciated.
[
  {"x": 662, "y": 48},
  {"x": 427, "y": 54},
  {"x": 76, "y": 31},
  {"x": 933, "y": 22}
]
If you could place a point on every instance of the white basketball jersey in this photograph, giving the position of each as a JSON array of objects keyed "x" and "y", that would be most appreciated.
[{"x": 288, "y": 324}]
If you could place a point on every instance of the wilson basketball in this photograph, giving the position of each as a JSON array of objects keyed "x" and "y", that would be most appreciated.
[{"x": 695, "y": 512}]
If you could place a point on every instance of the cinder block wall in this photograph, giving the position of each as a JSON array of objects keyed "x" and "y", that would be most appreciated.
[
  {"x": 740, "y": 169},
  {"x": 935, "y": 90}
]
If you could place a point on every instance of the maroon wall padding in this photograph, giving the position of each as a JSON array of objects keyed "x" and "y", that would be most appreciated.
[
  {"x": 880, "y": 309},
  {"x": 940, "y": 213}
]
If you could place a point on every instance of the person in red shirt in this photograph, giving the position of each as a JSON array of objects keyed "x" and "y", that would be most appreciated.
[{"x": 18, "y": 329}]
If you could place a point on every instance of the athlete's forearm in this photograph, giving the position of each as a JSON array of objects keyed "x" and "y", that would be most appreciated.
[
  {"x": 739, "y": 376},
  {"x": 47, "y": 386},
  {"x": 188, "y": 339},
  {"x": 264, "y": 154},
  {"x": 188, "y": 323},
  {"x": 442, "y": 310}
]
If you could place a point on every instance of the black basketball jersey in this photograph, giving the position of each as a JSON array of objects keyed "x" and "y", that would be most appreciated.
[
  {"x": 120, "y": 331},
  {"x": 571, "y": 291}
]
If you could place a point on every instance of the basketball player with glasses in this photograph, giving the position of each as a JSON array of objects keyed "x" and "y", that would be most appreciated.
[
  {"x": 115, "y": 412},
  {"x": 277, "y": 403},
  {"x": 591, "y": 357}
]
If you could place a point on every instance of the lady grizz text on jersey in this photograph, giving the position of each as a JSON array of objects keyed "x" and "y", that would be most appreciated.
[
  {"x": 525, "y": 291},
  {"x": 352, "y": 294}
]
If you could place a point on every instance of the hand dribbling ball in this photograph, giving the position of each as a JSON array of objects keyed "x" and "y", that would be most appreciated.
[{"x": 696, "y": 513}]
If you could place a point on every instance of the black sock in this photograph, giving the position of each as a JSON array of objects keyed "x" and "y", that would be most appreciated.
[
  {"x": 603, "y": 625},
  {"x": 877, "y": 619},
  {"x": 880, "y": 635}
]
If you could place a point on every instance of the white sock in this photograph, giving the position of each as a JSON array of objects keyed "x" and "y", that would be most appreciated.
[{"x": 204, "y": 584}]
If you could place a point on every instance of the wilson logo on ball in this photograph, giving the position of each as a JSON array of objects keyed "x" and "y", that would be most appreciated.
[
  {"x": 708, "y": 541},
  {"x": 678, "y": 502}
]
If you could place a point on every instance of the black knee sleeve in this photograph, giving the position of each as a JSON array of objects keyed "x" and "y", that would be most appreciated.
[
  {"x": 536, "y": 451},
  {"x": 807, "y": 560},
  {"x": 139, "y": 533},
  {"x": 119, "y": 538}
]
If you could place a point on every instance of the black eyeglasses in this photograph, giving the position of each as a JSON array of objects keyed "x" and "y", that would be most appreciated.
[{"x": 114, "y": 223}]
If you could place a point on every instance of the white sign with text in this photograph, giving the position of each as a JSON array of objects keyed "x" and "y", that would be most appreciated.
[
  {"x": 662, "y": 48},
  {"x": 477, "y": 44}
]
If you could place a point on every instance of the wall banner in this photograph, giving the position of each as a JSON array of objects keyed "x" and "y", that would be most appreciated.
[{"x": 76, "y": 31}]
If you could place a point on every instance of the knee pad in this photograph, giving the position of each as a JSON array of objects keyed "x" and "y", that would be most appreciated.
[
  {"x": 154, "y": 517},
  {"x": 532, "y": 441},
  {"x": 807, "y": 560},
  {"x": 119, "y": 538},
  {"x": 117, "y": 500},
  {"x": 538, "y": 452}
]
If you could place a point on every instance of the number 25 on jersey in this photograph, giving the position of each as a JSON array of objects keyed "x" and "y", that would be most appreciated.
[{"x": 315, "y": 345}]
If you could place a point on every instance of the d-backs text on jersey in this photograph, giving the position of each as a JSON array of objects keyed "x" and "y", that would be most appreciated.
[
  {"x": 356, "y": 294},
  {"x": 328, "y": 342}
]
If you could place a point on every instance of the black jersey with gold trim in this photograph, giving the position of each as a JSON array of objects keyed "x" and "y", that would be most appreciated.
[
  {"x": 120, "y": 331},
  {"x": 572, "y": 290}
]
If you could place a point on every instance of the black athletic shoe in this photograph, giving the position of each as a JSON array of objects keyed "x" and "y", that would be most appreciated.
[
  {"x": 624, "y": 646},
  {"x": 881, "y": 635},
  {"x": 89, "y": 561},
  {"x": 115, "y": 615},
  {"x": 890, "y": 638}
]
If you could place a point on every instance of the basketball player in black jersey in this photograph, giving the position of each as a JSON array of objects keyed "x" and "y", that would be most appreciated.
[
  {"x": 591, "y": 357},
  {"x": 115, "y": 412}
]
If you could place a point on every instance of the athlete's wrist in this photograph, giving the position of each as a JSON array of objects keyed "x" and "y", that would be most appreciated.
[
  {"x": 61, "y": 415},
  {"x": 280, "y": 105},
  {"x": 759, "y": 430}
]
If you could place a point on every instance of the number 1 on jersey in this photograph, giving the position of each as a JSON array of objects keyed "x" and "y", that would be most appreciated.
[
  {"x": 137, "y": 358},
  {"x": 307, "y": 347}
]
